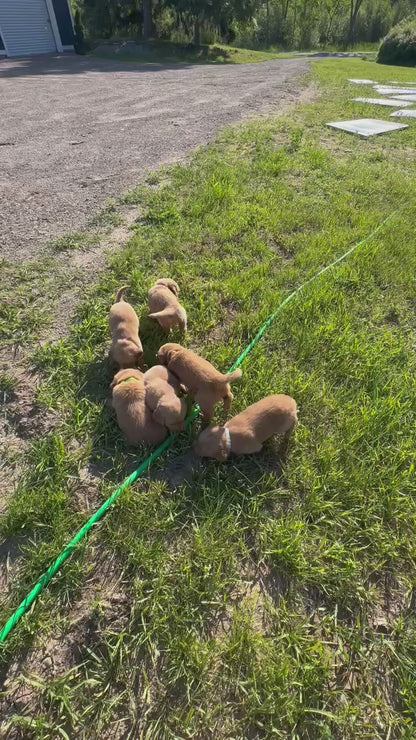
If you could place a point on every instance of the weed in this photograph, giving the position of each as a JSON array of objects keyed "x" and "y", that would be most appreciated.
[
  {"x": 80, "y": 239},
  {"x": 7, "y": 384},
  {"x": 108, "y": 218}
]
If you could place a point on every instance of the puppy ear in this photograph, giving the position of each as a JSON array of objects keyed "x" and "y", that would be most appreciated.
[
  {"x": 113, "y": 383},
  {"x": 173, "y": 287},
  {"x": 163, "y": 357}
]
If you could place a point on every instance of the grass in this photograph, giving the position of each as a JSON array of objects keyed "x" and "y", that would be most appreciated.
[
  {"x": 263, "y": 597},
  {"x": 167, "y": 52},
  {"x": 76, "y": 240},
  {"x": 7, "y": 384},
  {"x": 27, "y": 292}
]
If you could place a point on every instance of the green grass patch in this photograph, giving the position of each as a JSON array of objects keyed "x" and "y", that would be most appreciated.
[
  {"x": 7, "y": 386},
  {"x": 83, "y": 240},
  {"x": 167, "y": 52},
  {"x": 28, "y": 291},
  {"x": 7, "y": 383},
  {"x": 265, "y": 597}
]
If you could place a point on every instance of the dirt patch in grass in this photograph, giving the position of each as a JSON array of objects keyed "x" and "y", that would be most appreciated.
[
  {"x": 93, "y": 260},
  {"x": 220, "y": 332},
  {"x": 18, "y": 421},
  {"x": 178, "y": 470},
  {"x": 11, "y": 451},
  {"x": 102, "y": 605},
  {"x": 9, "y": 562},
  {"x": 88, "y": 262},
  {"x": 296, "y": 95},
  {"x": 24, "y": 415}
]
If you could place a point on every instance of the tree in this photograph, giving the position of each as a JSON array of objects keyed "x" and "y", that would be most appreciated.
[
  {"x": 355, "y": 6},
  {"x": 218, "y": 12},
  {"x": 147, "y": 27},
  {"x": 79, "y": 43},
  {"x": 333, "y": 10}
]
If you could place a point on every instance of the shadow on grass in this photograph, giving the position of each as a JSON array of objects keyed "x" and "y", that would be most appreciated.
[
  {"x": 207, "y": 486},
  {"x": 114, "y": 459},
  {"x": 163, "y": 52}
]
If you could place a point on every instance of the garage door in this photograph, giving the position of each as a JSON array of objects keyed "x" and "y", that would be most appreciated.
[{"x": 26, "y": 27}]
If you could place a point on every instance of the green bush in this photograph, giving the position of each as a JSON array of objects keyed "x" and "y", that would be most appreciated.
[
  {"x": 399, "y": 46},
  {"x": 81, "y": 46}
]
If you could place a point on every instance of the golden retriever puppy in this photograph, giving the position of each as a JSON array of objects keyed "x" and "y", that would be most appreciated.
[
  {"x": 198, "y": 376},
  {"x": 161, "y": 388},
  {"x": 134, "y": 417},
  {"x": 246, "y": 432},
  {"x": 164, "y": 305},
  {"x": 126, "y": 348}
]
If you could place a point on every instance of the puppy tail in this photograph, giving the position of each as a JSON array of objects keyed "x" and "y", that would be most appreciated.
[
  {"x": 233, "y": 376},
  {"x": 120, "y": 293},
  {"x": 160, "y": 314}
]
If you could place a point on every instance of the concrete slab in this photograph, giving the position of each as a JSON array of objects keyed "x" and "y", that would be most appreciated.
[
  {"x": 366, "y": 126},
  {"x": 382, "y": 101}
]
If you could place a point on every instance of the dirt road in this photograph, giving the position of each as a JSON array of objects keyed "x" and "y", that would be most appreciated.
[{"x": 76, "y": 130}]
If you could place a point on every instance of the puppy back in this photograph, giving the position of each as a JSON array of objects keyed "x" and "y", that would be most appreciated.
[
  {"x": 270, "y": 415},
  {"x": 189, "y": 362}
]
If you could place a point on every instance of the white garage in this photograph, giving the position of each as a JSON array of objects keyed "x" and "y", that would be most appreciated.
[{"x": 31, "y": 26}]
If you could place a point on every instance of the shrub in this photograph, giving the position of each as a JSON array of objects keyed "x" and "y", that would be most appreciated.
[
  {"x": 399, "y": 46},
  {"x": 80, "y": 44}
]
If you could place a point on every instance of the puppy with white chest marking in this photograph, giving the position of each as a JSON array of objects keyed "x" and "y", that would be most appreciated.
[
  {"x": 164, "y": 305},
  {"x": 198, "y": 376},
  {"x": 126, "y": 348},
  {"x": 134, "y": 417},
  {"x": 246, "y": 432},
  {"x": 161, "y": 397}
]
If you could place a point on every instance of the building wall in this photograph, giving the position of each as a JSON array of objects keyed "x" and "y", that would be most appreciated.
[{"x": 26, "y": 27}]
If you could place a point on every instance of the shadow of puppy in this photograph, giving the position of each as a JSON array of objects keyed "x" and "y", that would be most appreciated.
[
  {"x": 97, "y": 378},
  {"x": 153, "y": 337}
]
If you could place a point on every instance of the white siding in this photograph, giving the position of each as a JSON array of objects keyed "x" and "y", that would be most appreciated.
[{"x": 26, "y": 27}]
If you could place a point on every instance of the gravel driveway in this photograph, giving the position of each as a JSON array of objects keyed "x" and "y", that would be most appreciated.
[{"x": 76, "y": 130}]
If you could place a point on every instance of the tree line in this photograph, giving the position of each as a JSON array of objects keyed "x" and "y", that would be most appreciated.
[{"x": 294, "y": 24}]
